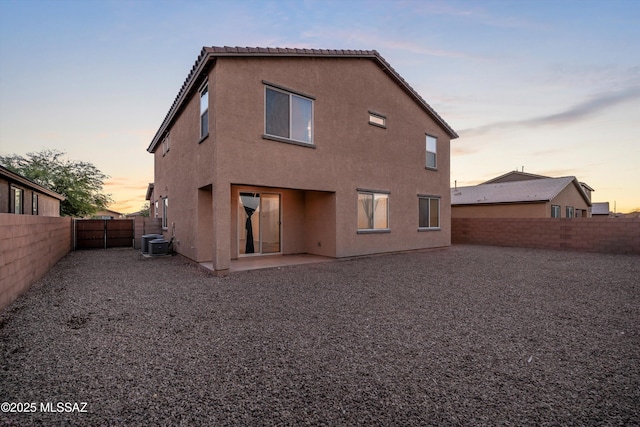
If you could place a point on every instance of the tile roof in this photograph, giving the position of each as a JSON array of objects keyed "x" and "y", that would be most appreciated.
[
  {"x": 208, "y": 55},
  {"x": 286, "y": 51},
  {"x": 534, "y": 190}
]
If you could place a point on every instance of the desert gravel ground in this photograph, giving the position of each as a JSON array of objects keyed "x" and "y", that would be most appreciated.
[{"x": 469, "y": 335}]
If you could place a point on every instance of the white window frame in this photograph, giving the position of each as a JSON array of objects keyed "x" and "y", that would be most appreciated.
[
  {"x": 429, "y": 199},
  {"x": 375, "y": 194},
  {"x": 165, "y": 145},
  {"x": 291, "y": 94},
  {"x": 35, "y": 204},
  {"x": 165, "y": 213},
  {"x": 555, "y": 211},
  {"x": 570, "y": 211},
  {"x": 204, "y": 90},
  {"x": 377, "y": 119},
  {"x": 434, "y": 152},
  {"x": 17, "y": 193}
]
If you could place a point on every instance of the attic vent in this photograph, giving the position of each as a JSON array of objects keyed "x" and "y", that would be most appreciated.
[{"x": 377, "y": 119}]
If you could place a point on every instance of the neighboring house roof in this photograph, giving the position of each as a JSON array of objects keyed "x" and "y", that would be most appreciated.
[
  {"x": 106, "y": 212},
  {"x": 149, "y": 191},
  {"x": 531, "y": 191},
  {"x": 208, "y": 56},
  {"x": 600, "y": 208},
  {"x": 515, "y": 176},
  {"x": 12, "y": 176},
  {"x": 587, "y": 186}
]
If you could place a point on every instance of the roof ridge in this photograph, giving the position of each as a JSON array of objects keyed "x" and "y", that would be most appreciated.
[
  {"x": 285, "y": 50},
  {"x": 520, "y": 181}
]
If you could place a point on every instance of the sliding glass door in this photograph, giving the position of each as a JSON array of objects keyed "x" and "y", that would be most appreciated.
[{"x": 258, "y": 223}]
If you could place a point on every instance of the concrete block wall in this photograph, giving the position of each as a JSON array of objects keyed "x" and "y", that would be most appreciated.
[
  {"x": 608, "y": 235},
  {"x": 29, "y": 246}
]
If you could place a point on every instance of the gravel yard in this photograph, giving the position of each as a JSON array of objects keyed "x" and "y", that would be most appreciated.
[{"x": 469, "y": 335}]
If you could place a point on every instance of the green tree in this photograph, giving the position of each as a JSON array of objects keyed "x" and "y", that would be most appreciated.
[
  {"x": 79, "y": 182},
  {"x": 144, "y": 211}
]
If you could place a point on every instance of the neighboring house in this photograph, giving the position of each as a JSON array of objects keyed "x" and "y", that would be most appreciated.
[
  {"x": 153, "y": 203},
  {"x": 525, "y": 176},
  {"x": 510, "y": 196},
  {"x": 106, "y": 214},
  {"x": 285, "y": 151},
  {"x": 600, "y": 209},
  {"x": 19, "y": 195},
  {"x": 143, "y": 213}
]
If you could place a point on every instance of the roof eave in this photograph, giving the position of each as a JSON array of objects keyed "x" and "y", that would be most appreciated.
[
  {"x": 582, "y": 192},
  {"x": 208, "y": 55},
  {"x": 407, "y": 88},
  {"x": 150, "y": 188},
  {"x": 486, "y": 203},
  {"x": 201, "y": 64},
  {"x": 28, "y": 183}
]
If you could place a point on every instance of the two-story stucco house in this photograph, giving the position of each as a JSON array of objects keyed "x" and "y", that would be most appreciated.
[{"x": 285, "y": 151}]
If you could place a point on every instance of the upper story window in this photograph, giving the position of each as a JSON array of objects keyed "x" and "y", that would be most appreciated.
[
  {"x": 373, "y": 211},
  {"x": 428, "y": 212},
  {"x": 432, "y": 143},
  {"x": 288, "y": 115},
  {"x": 17, "y": 200},
  {"x": 34, "y": 204},
  {"x": 165, "y": 144},
  {"x": 204, "y": 110},
  {"x": 555, "y": 211},
  {"x": 377, "y": 119}
]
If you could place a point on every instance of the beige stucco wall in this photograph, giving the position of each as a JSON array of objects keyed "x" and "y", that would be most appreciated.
[
  {"x": 4, "y": 195},
  {"x": 48, "y": 206},
  {"x": 308, "y": 220},
  {"x": 570, "y": 197},
  {"x": 319, "y": 184}
]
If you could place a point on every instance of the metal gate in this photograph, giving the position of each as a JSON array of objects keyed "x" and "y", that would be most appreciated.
[{"x": 103, "y": 233}]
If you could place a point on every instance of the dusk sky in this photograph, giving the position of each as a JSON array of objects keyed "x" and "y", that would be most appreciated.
[{"x": 551, "y": 85}]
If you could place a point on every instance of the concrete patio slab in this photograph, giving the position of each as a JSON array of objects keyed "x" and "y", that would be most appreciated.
[{"x": 269, "y": 261}]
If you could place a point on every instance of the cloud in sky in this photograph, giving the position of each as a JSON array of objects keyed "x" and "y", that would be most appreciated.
[
  {"x": 126, "y": 183},
  {"x": 459, "y": 149},
  {"x": 573, "y": 114},
  {"x": 425, "y": 50},
  {"x": 110, "y": 75},
  {"x": 473, "y": 12}
]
